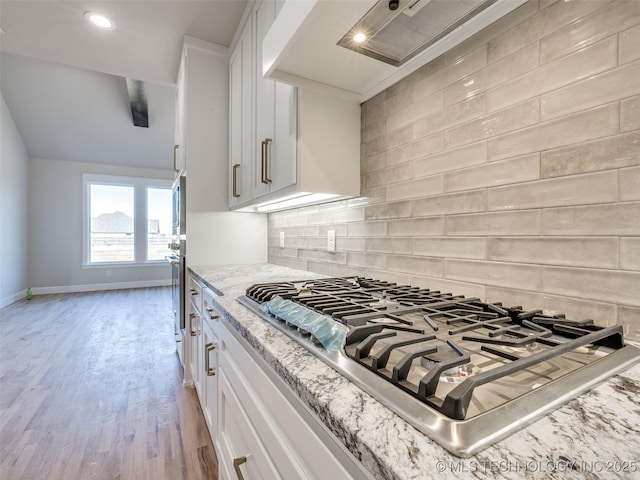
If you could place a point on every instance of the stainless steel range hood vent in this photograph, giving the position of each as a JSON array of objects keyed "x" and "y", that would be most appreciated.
[{"x": 396, "y": 36}]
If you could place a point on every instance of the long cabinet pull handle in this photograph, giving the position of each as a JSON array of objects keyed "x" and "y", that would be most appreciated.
[
  {"x": 192, "y": 316},
  {"x": 235, "y": 180},
  {"x": 194, "y": 292},
  {"x": 236, "y": 466},
  {"x": 263, "y": 162},
  {"x": 212, "y": 316},
  {"x": 267, "y": 141},
  {"x": 175, "y": 149},
  {"x": 208, "y": 348}
]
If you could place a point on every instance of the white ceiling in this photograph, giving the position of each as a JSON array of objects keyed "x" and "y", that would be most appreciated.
[{"x": 63, "y": 79}]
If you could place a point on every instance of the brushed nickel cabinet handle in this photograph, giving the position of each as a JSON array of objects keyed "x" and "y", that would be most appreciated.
[
  {"x": 194, "y": 292},
  {"x": 235, "y": 180},
  {"x": 236, "y": 466},
  {"x": 211, "y": 315},
  {"x": 192, "y": 316},
  {"x": 267, "y": 141},
  {"x": 175, "y": 149},
  {"x": 208, "y": 348},
  {"x": 263, "y": 163}
]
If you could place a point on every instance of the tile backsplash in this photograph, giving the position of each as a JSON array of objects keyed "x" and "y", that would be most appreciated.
[{"x": 507, "y": 169}]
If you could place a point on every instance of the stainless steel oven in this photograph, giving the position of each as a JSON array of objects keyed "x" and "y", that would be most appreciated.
[{"x": 178, "y": 257}]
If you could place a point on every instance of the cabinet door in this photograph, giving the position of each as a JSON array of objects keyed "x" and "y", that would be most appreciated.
[
  {"x": 241, "y": 114},
  {"x": 210, "y": 379},
  {"x": 239, "y": 444},
  {"x": 275, "y": 117}
]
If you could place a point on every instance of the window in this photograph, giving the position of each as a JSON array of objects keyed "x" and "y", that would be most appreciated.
[{"x": 127, "y": 220}]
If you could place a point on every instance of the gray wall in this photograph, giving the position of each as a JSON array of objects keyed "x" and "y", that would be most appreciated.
[
  {"x": 506, "y": 169},
  {"x": 14, "y": 200},
  {"x": 55, "y": 230}
]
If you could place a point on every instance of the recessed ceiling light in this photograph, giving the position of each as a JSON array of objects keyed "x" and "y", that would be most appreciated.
[
  {"x": 359, "y": 37},
  {"x": 100, "y": 20}
]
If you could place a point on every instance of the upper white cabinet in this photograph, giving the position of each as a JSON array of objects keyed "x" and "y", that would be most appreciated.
[
  {"x": 286, "y": 144},
  {"x": 179, "y": 145}
]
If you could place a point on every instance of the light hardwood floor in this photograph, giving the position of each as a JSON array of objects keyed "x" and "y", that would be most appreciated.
[{"x": 90, "y": 388}]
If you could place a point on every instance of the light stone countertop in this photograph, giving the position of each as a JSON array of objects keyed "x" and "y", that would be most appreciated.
[{"x": 599, "y": 431}]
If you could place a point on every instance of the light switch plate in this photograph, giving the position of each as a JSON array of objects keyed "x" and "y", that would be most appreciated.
[
  {"x": 281, "y": 239},
  {"x": 331, "y": 241}
]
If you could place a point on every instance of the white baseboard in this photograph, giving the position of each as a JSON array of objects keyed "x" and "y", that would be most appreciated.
[
  {"x": 95, "y": 287},
  {"x": 13, "y": 298}
]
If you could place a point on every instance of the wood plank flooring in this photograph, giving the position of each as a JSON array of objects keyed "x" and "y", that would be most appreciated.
[{"x": 91, "y": 388}]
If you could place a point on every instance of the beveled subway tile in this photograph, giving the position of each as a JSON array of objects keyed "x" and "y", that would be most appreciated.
[
  {"x": 288, "y": 262},
  {"x": 398, "y": 173},
  {"x": 464, "y": 202},
  {"x": 630, "y": 113},
  {"x": 522, "y": 222},
  {"x": 277, "y": 251},
  {"x": 629, "y": 184},
  {"x": 629, "y": 318},
  {"x": 597, "y": 252},
  {"x": 575, "y": 309},
  {"x": 366, "y": 260},
  {"x": 416, "y": 188},
  {"x": 589, "y": 188},
  {"x": 613, "y": 286},
  {"x": 466, "y": 156},
  {"x": 602, "y": 154},
  {"x": 293, "y": 242},
  {"x": 451, "y": 116},
  {"x": 414, "y": 227},
  {"x": 630, "y": 253},
  {"x": 451, "y": 247},
  {"x": 514, "y": 170},
  {"x": 448, "y": 74},
  {"x": 579, "y": 127},
  {"x": 374, "y": 130},
  {"x": 339, "y": 228},
  {"x": 335, "y": 257},
  {"x": 308, "y": 231},
  {"x": 349, "y": 244},
  {"x": 604, "y": 88},
  {"x": 334, "y": 270},
  {"x": 514, "y": 275},
  {"x": 398, "y": 97},
  {"x": 469, "y": 290},
  {"x": 498, "y": 27},
  {"x": 374, "y": 104},
  {"x": 617, "y": 219},
  {"x": 431, "y": 267},
  {"x": 416, "y": 110},
  {"x": 366, "y": 229},
  {"x": 387, "y": 210},
  {"x": 397, "y": 137},
  {"x": 608, "y": 20},
  {"x": 537, "y": 26},
  {"x": 628, "y": 50},
  {"x": 353, "y": 214},
  {"x": 496, "y": 123},
  {"x": 511, "y": 66},
  {"x": 416, "y": 149},
  {"x": 388, "y": 245},
  {"x": 579, "y": 65}
]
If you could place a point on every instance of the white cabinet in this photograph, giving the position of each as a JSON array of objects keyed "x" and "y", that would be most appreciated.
[
  {"x": 261, "y": 433},
  {"x": 241, "y": 73},
  {"x": 289, "y": 142},
  {"x": 194, "y": 358},
  {"x": 211, "y": 347},
  {"x": 179, "y": 144}
]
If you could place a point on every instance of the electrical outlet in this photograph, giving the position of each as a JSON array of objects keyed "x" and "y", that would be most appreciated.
[
  {"x": 331, "y": 241},
  {"x": 281, "y": 239}
]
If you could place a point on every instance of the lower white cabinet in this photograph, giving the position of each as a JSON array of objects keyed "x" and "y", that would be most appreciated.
[{"x": 261, "y": 435}]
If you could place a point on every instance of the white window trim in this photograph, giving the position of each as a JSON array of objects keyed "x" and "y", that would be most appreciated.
[{"x": 140, "y": 184}]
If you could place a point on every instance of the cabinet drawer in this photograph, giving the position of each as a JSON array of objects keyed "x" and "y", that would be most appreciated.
[
  {"x": 210, "y": 313},
  {"x": 239, "y": 440},
  {"x": 194, "y": 292}
]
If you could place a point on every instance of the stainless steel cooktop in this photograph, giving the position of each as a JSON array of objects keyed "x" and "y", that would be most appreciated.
[{"x": 463, "y": 372}]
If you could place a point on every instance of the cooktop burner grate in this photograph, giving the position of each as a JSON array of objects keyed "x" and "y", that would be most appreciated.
[{"x": 458, "y": 357}]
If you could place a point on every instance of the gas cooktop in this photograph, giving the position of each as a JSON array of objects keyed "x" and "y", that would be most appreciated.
[{"x": 464, "y": 372}]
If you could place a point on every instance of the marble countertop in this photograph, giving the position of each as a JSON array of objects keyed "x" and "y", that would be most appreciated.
[{"x": 599, "y": 431}]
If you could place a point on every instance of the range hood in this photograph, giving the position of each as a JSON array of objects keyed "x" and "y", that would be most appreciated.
[
  {"x": 395, "y": 31},
  {"x": 303, "y": 46}
]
